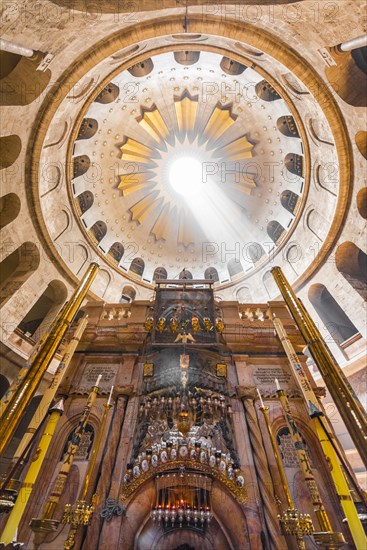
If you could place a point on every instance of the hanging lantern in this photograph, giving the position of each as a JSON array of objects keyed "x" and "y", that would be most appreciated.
[
  {"x": 208, "y": 325},
  {"x": 174, "y": 325},
  {"x": 219, "y": 325},
  {"x": 195, "y": 326},
  {"x": 161, "y": 325},
  {"x": 149, "y": 323}
]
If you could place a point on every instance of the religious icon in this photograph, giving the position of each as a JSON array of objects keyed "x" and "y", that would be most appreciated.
[
  {"x": 221, "y": 370},
  {"x": 148, "y": 369}
]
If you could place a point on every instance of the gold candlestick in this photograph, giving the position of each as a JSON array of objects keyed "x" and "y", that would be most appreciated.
[
  {"x": 292, "y": 522},
  {"x": 327, "y": 537},
  {"x": 81, "y": 512},
  {"x": 312, "y": 404},
  {"x": 347, "y": 402},
  {"x": 43, "y": 526},
  {"x": 23, "y": 394}
]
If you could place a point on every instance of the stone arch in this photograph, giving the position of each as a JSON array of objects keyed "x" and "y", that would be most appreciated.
[
  {"x": 8, "y": 62},
  {"x": 24, "y": 83},
  {"x": 81, "y": 165},
  {"x": 159, "y": 273},
  {"x": 351, "y": 262},
  {"x": 4, "y": 385},
  {"x": 348, "y": 78},
  {"x": 85, "y": 200},
  {"x": 290, "y": 201},
  {"x": 287, "y": 126},
  {"x": 143, "y": 68},
  {"x": 361, "y": 142},
  {"x": 41, "y": 315},
  {"x": 103, "y": 280},
  {"x": 10, "y": 147},
  {"x": 294, "y": 164},
  {"x": 234, "y": 267},
  {"x": 362, "y": 202},
  {"x": 185, "y": 274},
  {"x": 99, "y": 230},
  {"x": 275, "y": 230},
  {"x": 128, "y": 294},
  {"x": 243, "y": 295},
  {"x": 211, "y": 273},
  {"x": 229, "y": 529},
  {"x": 137, "y": 266},
  {"x": 9, "y": 209},
  {"x": 16, "y": 268},
  {"x": 116, "y": 252},
  {"x": 266, "y": 92},
  {"x": 231, "y": 67},
  {"x": 317, "y": 224},
  {"x": 88, "y": 128},
  {"x": 186, "y": 57},
  {"x": 109, "y": 94},
  {"x": 331, "y": 314}
]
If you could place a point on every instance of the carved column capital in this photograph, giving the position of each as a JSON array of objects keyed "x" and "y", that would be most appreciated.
[
  {"x": 246, "y": 392},
  {"x": 123, "y": 391}
]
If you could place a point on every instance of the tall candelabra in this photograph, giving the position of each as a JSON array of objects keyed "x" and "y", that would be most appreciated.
[
  {"x": 292, "y": 521},
  {"x": 80, "y": 514}
]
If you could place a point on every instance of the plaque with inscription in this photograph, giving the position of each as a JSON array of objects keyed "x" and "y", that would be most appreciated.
[
  {"x": 93, "y": 370},
  {"x": 264, "y": 377}
]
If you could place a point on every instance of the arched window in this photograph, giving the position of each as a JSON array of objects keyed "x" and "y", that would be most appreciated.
[
  {"x": 362, "y": 202},
  {"x": 351, "y": 261},
  {"x": 24, "y": 83},
  {"x": 275, "y": 231},
  {"x": 88, "y": 128},
  {"x": 361, "y": 142},
  {"x": 99, "y": 230},
  {"x": 331, "y": 314},
  {"x": 81, "y": 165},
  {"x": 231, "y": 67},
  {"x": 109, "y": 94},
  {"x": 287, "y": 126},
  {"x": 85, "y": 200},
  {"x": 160, "y": 273},
  {"x": 294, "y": 164},
  {"x": 9, "y": 208},
  {"x": 234, "y": 267},
  {"x": 137, "y": 266},
  {"x": 142, "y": 69},
  {"x": 266, "y": 92},
  {"x": 211, "y": 273},
  {"x": 10, "y": 147},
  {"x": 116, "y": 252},
  {"x": 43, "y": 312},
  {"x": 290, "y": 201},
  {"x": 185, "y": 274},
  {"x": 16, "y": 268},
  {"x": 128, "y": 294},
  {"x": 186, "y": 57}
]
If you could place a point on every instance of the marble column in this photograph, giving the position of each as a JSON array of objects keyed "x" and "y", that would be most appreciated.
[
  {"x": 266, "y": 487},
  {"x": 109, "y": 468}
]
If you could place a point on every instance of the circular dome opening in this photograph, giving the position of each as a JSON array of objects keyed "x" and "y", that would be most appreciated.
[{"x": 185, "y": 176}]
